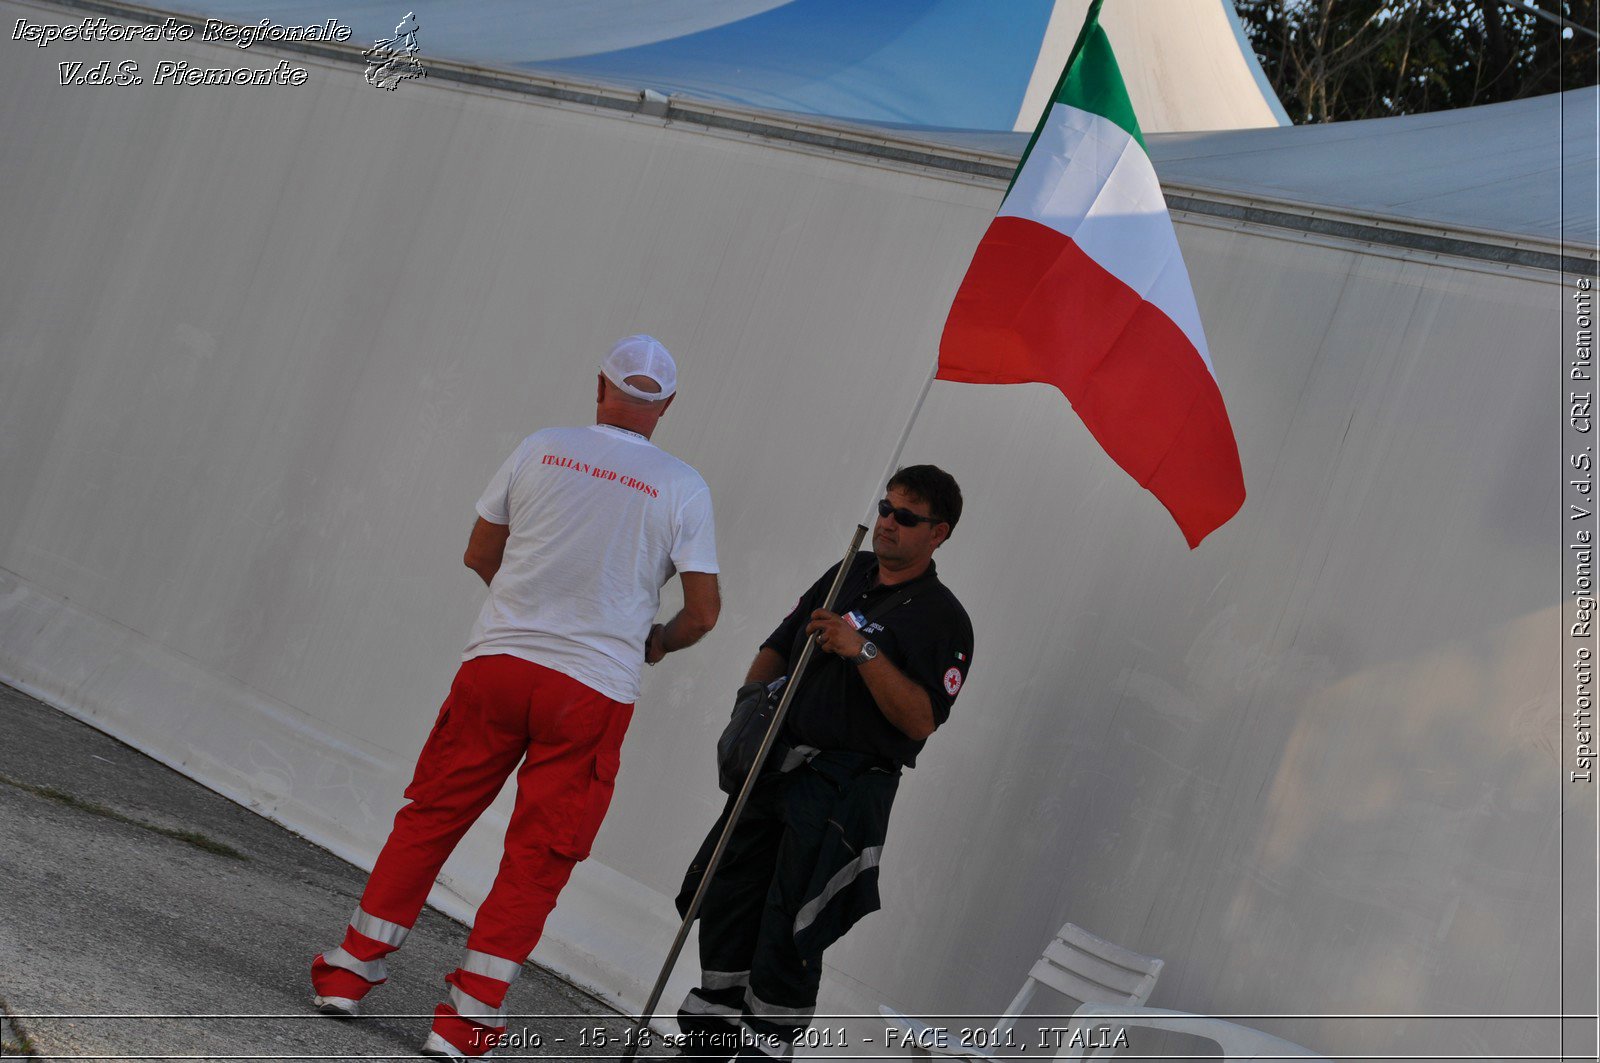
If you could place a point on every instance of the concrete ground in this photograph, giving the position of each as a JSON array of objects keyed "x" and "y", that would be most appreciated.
[{"x": 143, "y": 916}]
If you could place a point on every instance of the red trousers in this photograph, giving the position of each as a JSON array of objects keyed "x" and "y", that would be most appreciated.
[{"x": 501, "y": 710}]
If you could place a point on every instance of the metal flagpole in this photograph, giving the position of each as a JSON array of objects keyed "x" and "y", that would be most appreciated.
[
  {"x": 905, "y": 434},
  {"x": 767, "y": 741}
]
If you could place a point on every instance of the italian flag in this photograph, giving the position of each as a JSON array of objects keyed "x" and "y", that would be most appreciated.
[{"x": 1079, "y": 283}]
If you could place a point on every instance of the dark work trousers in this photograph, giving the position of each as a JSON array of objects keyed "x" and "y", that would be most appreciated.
[{"x": 758, "y": 988}]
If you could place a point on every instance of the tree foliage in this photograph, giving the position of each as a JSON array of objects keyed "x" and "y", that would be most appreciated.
[{"x": 1333, "y": 60}]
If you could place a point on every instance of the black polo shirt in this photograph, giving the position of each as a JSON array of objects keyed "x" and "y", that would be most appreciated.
[{"x": 929, "y": 638}]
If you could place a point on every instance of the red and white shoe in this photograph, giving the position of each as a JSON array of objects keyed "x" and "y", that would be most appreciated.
[
  {"x": 338, "y": 1007},
  {"x": 463, "y": 1036},
  {"x": 341, "y": 976},
  {"x": 440, "y": 1048}
]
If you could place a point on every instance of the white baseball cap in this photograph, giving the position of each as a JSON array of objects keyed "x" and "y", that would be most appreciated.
[{"x": 641, "y": 356}]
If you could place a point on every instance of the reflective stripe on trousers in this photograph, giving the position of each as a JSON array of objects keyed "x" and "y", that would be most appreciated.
[
  {"x": 724, "y": 979},
  {"x": 695, "y": 1004},
  {"x": 470, "y": 1007},
  {"x": 371, "y": 970},
  {"x": 776, "y": 1013},
  {"x": 501, "y": 970},
  {"x": 368, "y": 925},
  {"x": 847, "y": 874}
]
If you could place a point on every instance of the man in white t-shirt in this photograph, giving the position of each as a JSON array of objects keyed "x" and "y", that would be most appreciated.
[{"x": 576, "y": 534}]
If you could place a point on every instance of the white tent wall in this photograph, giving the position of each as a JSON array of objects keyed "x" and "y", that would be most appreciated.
[
  {"x": 260, "y": 348},
  {"x": 1309, "y": 764}
]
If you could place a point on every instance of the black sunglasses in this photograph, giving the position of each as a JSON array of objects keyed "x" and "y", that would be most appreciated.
[{"x": 903, "y": 516}]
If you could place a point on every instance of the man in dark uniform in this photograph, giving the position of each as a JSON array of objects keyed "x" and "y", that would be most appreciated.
[{"x": 801, "y": 865}]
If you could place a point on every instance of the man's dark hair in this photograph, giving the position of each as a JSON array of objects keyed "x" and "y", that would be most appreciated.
[{"x": 931, "y": 484}]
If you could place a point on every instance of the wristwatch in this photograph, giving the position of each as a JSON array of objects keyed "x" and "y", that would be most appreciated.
[{"x": 868, "y": 652}]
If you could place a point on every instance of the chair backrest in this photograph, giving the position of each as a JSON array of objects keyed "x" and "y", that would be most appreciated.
[{"x": 1088, "y": 969}]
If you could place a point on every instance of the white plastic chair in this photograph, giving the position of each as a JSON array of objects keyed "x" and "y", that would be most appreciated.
[
  {"x": 1237, "y": 1042},
  {"x": 1075, "y": 964}
]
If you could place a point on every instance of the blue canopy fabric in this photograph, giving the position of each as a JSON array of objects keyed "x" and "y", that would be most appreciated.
[
  {"x": 953, "y": 63},
  {"x": 950, "y": 63}
]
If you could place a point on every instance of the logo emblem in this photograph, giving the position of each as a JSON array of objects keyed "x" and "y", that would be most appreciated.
[
  {"x": 394, "y": 60},
  {"x": 952, "y": 681}
]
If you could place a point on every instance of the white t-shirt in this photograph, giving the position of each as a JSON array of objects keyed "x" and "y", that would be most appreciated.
[{"x": 600, "y": 518}]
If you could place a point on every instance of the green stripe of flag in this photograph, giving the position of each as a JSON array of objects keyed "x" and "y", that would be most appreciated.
[{"x": 1091, "y": 81}]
